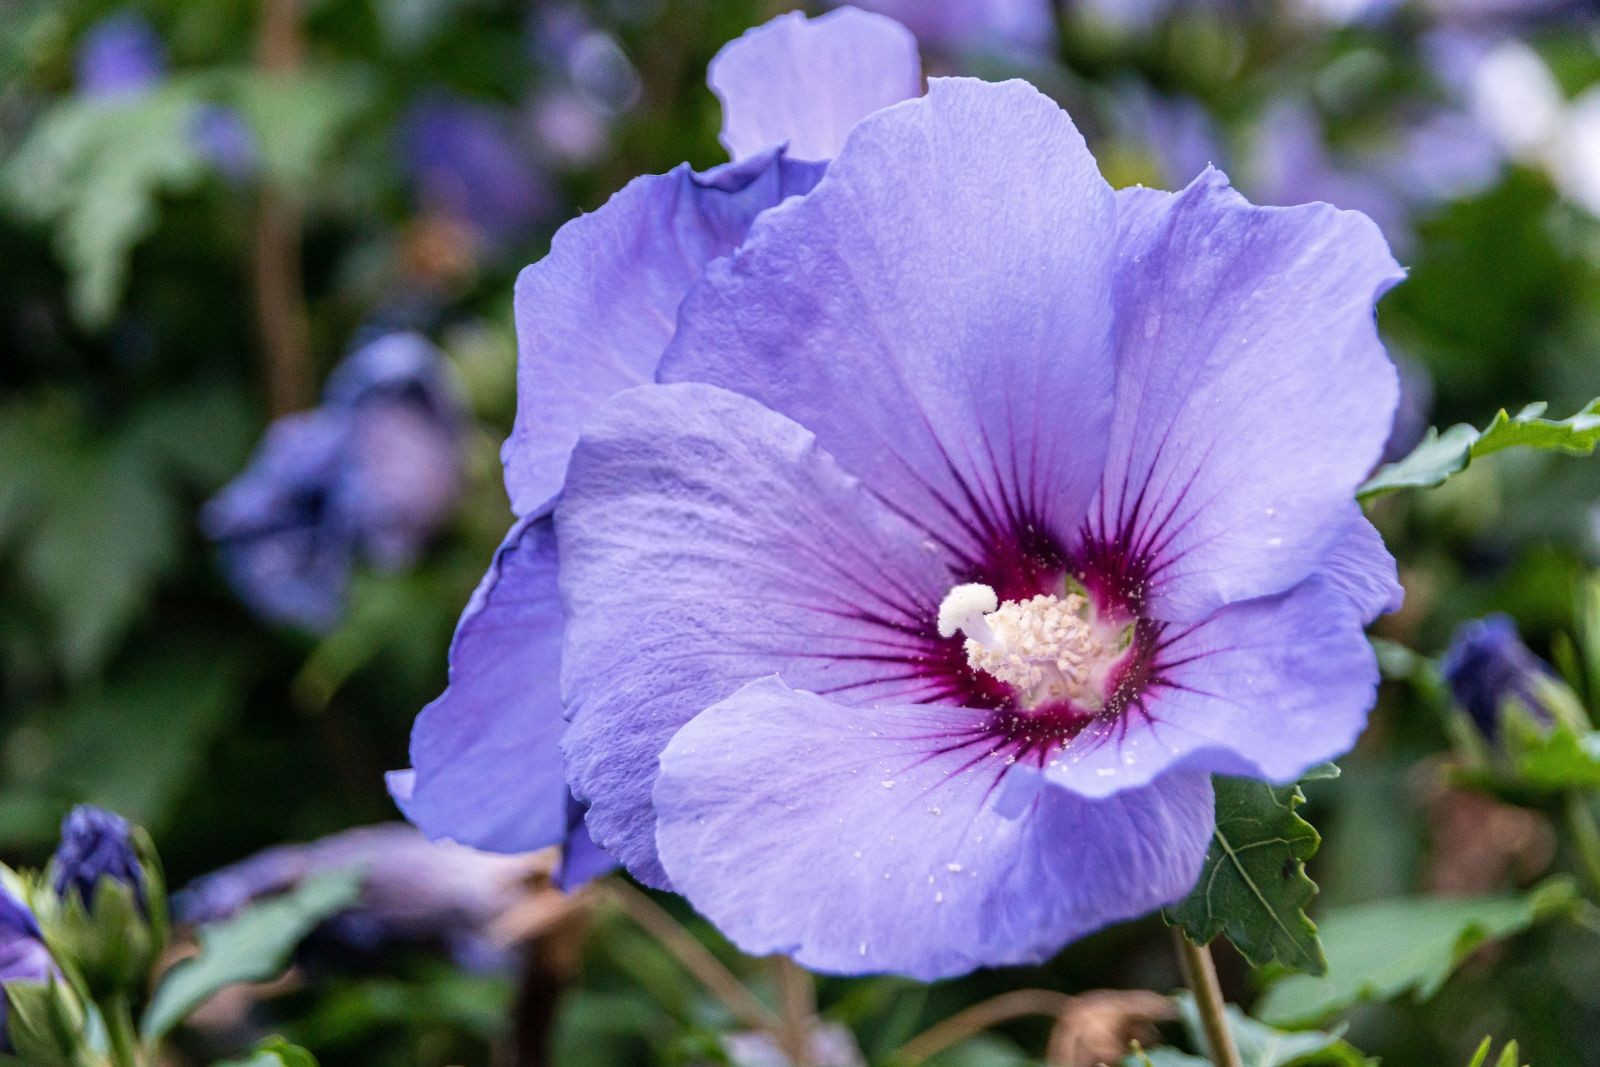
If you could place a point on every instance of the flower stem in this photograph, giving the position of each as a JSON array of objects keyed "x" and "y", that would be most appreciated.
[
  {"x": 1200, "y": 974},
  {"x": 980, "y": 1017},
  {"x": 797, "y": 1001},
  {"x": 695, "y": 957},
  {"x": 1585, "y": 835},
  {"x": 120, "y": 1032}
]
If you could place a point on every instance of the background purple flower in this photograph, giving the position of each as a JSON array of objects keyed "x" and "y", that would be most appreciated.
[
  {"x": 120, "y": 54},
  {"x": 375, "y": 470},
  {"x": 972, "y": 25},
  {"x": 466, "y": 161},
  {"x": 414, "y": 894}
]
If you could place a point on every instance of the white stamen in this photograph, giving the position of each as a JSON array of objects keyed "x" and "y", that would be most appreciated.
[
  {"x": 1049, "y": 648},
  {"x": 964, "y": 608}
]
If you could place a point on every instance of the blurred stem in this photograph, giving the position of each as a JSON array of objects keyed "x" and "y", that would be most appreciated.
[
  {"x": 980, "y": 1017},
  {"x": 695, "y": 957},
  {"x": 1585, "y": 835},
  {"x": 797, "y": 1003},
  {"x": 280, "y": 299},
  {"x": 120, "y": 1032},
  {"x": 1200, "y": 974}
]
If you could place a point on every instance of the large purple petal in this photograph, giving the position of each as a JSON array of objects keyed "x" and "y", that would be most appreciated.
[
  {"x": 486, "y": 751},
  {"x": 1265, "y": 688},
  {"x": 1253, "y": 394},
  {"x": 707, "y": 541},
  {"x": 937, "y": 311},
  {"x": 876, "y": 839},
  {"x": 594, "y": 315},
  {"x": 805, "y": 82}
]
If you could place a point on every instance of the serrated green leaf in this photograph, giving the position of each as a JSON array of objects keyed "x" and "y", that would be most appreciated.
[
  {"x": 1442, "y": 454},
  {"x": 1378, "y": 951},
  {"x": 274, "y": 1052},
  {"x": 253, "y": 946},
  {"x": 1253, "y": 888}
]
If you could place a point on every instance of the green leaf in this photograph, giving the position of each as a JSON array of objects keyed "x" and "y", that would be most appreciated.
[
  {"x": 274, "y": 1052},
  {"x": 1554, "y": 759},
  {"x": 131, "y": 744},
  {"x": 1253, "y": 889},
  {"x": 1441, "y": 455},
  {"x": 96, "y": 168},
  {"x": 253, "y": 946},
  {"x": 297, "y": 119},
  {"x": 1381, "y": 950},
  {"x": 1258, "y": 1044},
  {"x": 1508, "y": 1057},
  {"x": 1261, "y": 1045}
]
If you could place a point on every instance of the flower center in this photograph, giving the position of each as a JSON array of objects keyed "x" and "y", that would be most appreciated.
[{"x": 1048, "y": 649}]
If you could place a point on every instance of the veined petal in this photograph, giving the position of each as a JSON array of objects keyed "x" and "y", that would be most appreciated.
[
  {"x": 1253, "y": 394},
  {"x": 486, "y": 752},
  {"x": 937, "y": 311},
  {"x": 881, "y": 839},
  {"x": 707, "y": 541},
  {"x": 594, "y": 315},
  {"x": 1265, "y": 688},
  {"x": 805, "y": 82}
]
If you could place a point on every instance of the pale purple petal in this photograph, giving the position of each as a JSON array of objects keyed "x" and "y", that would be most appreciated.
[
  {"x": 1252, "y": 396},
  {"x": 485, "y": 752},
  {"x": 882, "y": 839},
  {"x": 594, "y": 315},
  {"x": 1266, "y": 689},
  {"x": 805, "y": 82},
  {"x": 937, "y": 311},
  {"x": 706, "y": 541},
  {"x": 1360, "y": 566}
]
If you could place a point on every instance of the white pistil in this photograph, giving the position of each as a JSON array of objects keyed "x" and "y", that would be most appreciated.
[
  {"x": 964, "y": 608},
  {"x": 1049, "y": 648}
]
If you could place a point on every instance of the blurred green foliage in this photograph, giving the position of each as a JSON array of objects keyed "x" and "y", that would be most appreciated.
[{"x": 132, "y": 387}]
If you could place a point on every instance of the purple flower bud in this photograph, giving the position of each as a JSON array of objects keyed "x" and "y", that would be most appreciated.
[
  {"x": 23, "y": 956},
  {"x": 120, "y": 54},
  {"x": 1487, "y": 665},
  {"x": 96, "y": 844}
]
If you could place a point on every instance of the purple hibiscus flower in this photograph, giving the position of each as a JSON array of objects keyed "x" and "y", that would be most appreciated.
[
  {"x": 978, "y": 513},
  {"x": 375, "y": 470},
  {"x": 23, "y": 955}
]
